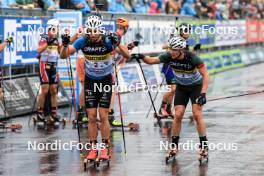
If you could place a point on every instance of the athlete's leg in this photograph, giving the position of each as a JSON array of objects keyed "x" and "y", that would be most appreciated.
[
  {"x": 92, "y": 126},
  {"x": 176, "y": 125},
  {"x": 91, "y": 103},
  {"x": 53, "y": 93},
  {"x": 197, "y": 114},
  {"x": 44, "y": 89},
  {"x": 105, "y": 126},
  {"x": 104, "y": 105},
  {"x": 180, "y": 102}
]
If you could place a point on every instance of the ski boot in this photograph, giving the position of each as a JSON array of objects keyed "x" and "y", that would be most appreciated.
[
  {"x": 39, "y": 119},
  {"x": 53, "y": 120},
  {"x": 170, "y": 155},
  {"x": 91, "y": 158},
  {"x": 203, "y": 155},
  {"x": 105, "y": 156}
]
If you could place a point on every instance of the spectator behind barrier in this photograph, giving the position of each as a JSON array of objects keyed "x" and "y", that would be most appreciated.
[
  {"x": 66, "y": 4},
  {"x": 8, "y": 3},
  {"x": 117, "y": 6},
  {"x": 188, "y": 8},
  {"x": 139, "y": 6},
  {"x": 47, "y": 4},
  {"x": 153, "y": 8},
  {"x": 105, "y": 4},
  {"x": 81, "y": 5},
  {"x": 173, "y": 7}
]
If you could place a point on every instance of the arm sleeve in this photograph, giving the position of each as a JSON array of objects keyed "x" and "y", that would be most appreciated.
[
  {"x": 78, "y": 44},
  {"x": 197, "y": 62},
  {"x": 164, "y": 58}
]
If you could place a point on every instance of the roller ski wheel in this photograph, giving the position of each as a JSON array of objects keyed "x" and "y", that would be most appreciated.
[
  {"x": 203, "y": 156},
  {"x": 133, "y": 126},
  {"x": 102, "y": 160},
  {"x": 87, "y": 162},
  {"x": 171, "y": 155},
  {"x": 104, "y": 157}
]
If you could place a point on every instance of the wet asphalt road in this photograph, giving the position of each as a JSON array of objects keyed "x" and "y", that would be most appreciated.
[{"x": 238, "y": 121}]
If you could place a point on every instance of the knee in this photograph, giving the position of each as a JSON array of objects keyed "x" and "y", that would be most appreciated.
[
  {"x": 44, "y": 90},
  {"x": 197, "y": 115},
  {"x": 53, "y": 91},
  {"x": 178, "y": 116},
  {"x": 92, "y": 119}
]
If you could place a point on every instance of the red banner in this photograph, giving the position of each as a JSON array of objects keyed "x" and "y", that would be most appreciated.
[
  {"x": 252, "y": 31},
  {"x": 261, "y": 31}
]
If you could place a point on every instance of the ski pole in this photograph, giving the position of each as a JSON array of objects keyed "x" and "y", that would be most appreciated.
[
  {"x": 34, "y": 104},
  {"x": 120, "y": 109},
  {"x": 73, "y": 95},
  {"x": 156, "y": 95}
]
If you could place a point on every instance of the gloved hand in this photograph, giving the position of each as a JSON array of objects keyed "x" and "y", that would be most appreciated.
[
  {"x": 197, "y": 47},
  {"x": 65, "y": 39},
  {"x": 133, "y": 44},
  {"x": 201, "y": 100},
  {"x": 114, "y": 38},
  {"x": 137, "y": 56},
  {"x": 9, "y": 40}
]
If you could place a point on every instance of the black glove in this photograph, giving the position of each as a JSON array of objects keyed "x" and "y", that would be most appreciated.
[
  {"x": 201, "y": 100},
  {"x": 133, "y": 44},
  {"x": 9, "y": 40},
  {"x": 197, "y": 47},
  {"x": 114, "y": 38},
  {"x": 137, "y": 56},
  {"x": 65, "y": 39}
]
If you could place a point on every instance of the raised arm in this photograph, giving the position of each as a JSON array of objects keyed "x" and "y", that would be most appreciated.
[
  {"x": 67, "y": 51},
  {"x": 146, "y": 59}
]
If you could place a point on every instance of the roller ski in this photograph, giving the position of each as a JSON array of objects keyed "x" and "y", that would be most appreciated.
[
  {"x": 91, "y": 159},
  {"x": 104, "y": 157},
  {"x": 171, "y": 156},
  {"x": 52, "y": 121},
  {"x": 115, "y": 124},
  {"x": 203, "y": 156},
  {"x": 12, "y": 127}
]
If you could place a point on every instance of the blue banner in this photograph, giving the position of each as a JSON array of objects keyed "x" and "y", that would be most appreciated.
[{"x": 26, "y": 33}]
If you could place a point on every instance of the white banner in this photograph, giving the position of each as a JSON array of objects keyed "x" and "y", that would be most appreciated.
[
  {"x": 153, "y": 33},
  {"x": 230, "y": 33}
]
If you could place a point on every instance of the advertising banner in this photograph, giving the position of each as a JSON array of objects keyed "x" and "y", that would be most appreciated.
[
  {"x": 230, "y": 33},
  {"x": 252, "y": 31},
  {"x": 26, "y": 34},
  {"x": 18, "y": 96}
]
